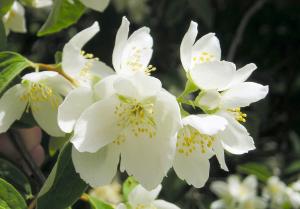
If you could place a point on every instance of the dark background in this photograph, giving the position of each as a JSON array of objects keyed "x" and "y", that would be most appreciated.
[{"x": 271, "y": 39}]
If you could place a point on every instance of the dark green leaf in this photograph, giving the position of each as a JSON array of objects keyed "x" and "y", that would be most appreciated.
[
  {"x": 128, "y": 186},
  {"x": 63, "y": 186},
  {"x": 261, "y": 171},
  {"x": 98, "y": 204},
  {"x": 2, "y": 37},
  {"x": 5, "y": 6},
  {"x": 9, "y": 197},
  {"x": 294, "y": 167},
  {"x": 11, "y": 65},
  {"x": 15, "y": 176},
  {"x": 63, "y": 14}
]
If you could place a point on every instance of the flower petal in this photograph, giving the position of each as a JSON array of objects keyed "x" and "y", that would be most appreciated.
[
  {"x": 147, "y": 159},
  {"x": 73, "y": 105},
  {"x": 242, "y": 74},
  {"x": 208, "y": 48},
  {"x": 101, "y": 69},
  {"x": 97, "y": 126},
  {"x": 11, "y": 107},
  {"x": 121, "y": 39},
  {"x": 161, "y": 204},
  {"x": 206, "y": 124},
  {"x": 235, "y": 138},
  {"x": 105, "y": 87},
  {"x": 138, "y": 86},
  {"x": 219, "y": 150},
  {"x": 194, "y": 169},
  {"x": 220, "y": 188},
  {"x": 97, "y": 5},
  {"x": 45, "y": 114},
  {"x": 121, "y": 206},
  {"x": 72, "y": 60},
  {"x": 139, "y": 195},
  {"x": 98, "y": 168},
  {"x": 187, "y": 44},
  {"x": 15, "y": 19},
  {"x": 212, "y": 75},
  {"x": 137, "y": 52},
  {"x": 243, "y": 94}
]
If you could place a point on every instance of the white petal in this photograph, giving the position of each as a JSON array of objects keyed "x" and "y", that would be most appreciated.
[
  {"x": 105, "y": 87},
  {"x": 74, "y": 104},
  {"x": 219, "y": 150},
  {"x": 209, "y": 100},
  {"x": 137, "y": 52},
  {"x": 15, "y": 18},
  {"x": 139, "y": 195},
  {"x": 97, "y": 5},
  {"x": 161, "y": 204},
  {"x": 250, "y": 182},
  {"x": 206, "y": 124},
  {"x": 243, "y": 94},
  {"x": 98, "y": 168},
  {"x": 11, "y": 107},
  {"x": 137, "y": 86},
  {"x": 55, "y": 81},
  {"x": 45, "y": 114},
  {"x": 218, "y": 204},
  {"x": 147, "y": 159},
  {"x": 101, "y": 69},
  {"x": 72, "y": 60},
  {"x": 194, "y": 169},
  {"x": 242, "y": 74},
  {"x": 41, "y": 3},
  {"x": 97, "y": 126},
  {"x": 212, "y": 75},
  {"x": 235, "y": 138},
  {"x": 208, "y": 44},
  {"x": 220, "y": 188},
  {"x": 121, "y": 39},
  {"x": 187, "y": 44}
]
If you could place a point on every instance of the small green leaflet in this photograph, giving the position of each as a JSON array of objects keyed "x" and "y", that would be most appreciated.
[
  {"x": 128, "y": 186},
  {"x": 5, "y": 6},
  {"x": 9, "y": 197},
  {"x": 261, "y": 171},
  {"x": 11, "y": 65},
  {"x": 63, "y": 186},
  {"x": 63, "y": 14},
  {"x": 98, "y": 204}
]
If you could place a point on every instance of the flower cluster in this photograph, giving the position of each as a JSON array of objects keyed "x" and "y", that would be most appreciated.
[
  {"x": 236, "y": 194},
  {"x": 125, "y": 117}
]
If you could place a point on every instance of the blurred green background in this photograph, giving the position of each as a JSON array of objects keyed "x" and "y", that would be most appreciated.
[{"x": 271, "y": 40}]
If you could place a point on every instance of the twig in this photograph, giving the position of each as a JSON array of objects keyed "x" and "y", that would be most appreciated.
[
  {"x": 32, "y": 204},
  {"x": 20, "y": 146},
  {"x": 241, "y": 28}
]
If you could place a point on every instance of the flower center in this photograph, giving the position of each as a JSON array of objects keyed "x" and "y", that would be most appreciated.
[
  {"x": 136, "y": 117},
  {"x": 90, "y": 58},
  {"x": 190, "y": 140},
  {"x": 237, "y": 114},
  {"x": 202, "y": 57},
  {"x": 38, "y": 92}
]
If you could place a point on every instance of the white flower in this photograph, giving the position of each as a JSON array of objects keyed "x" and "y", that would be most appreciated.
[
  {"x": 132, "y": 54},
  {"x": 294, "y": 197},
  {"x": 196, "y": 144},
  {"x": 275, "y": 191},
  {"x": 40, "y": 92},
  {"x": 140, "y": 198},
  {"x": 236, "y": 194},
  {"x": 14, "y": 19},
  {"x": 85, "y": 70},
  {"x": 206, "y": 49},
  {"x": 236, "y": 93},
  {"x": 136, "y": 119},
  {"x": 41, "y": 3},
  {"x": 97, "y": 5}
]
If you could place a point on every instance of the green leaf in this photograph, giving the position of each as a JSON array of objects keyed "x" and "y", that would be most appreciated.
[
  {"x": 63, "y": 186},
  {"x": 128, "y": 186},
  {"x": 5, "y": 6},
  {"x": 261, "y": 171},
  {"x": 16, "y": 177},
  {"x": 11, "y": 65},
  {"x": 2, "y": 37},
  {"x": 56, "y": 143},
  {"x": 294, "y": 167},
  {"x": 63, "y": 14},
  {"x": 9, "y": 196},
  {"x": 98, "y": 204}
]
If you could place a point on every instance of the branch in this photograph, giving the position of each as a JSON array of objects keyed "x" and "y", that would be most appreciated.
[
  {"x": 20, "y": 146},
  {"x": 241, "y": 28}
]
